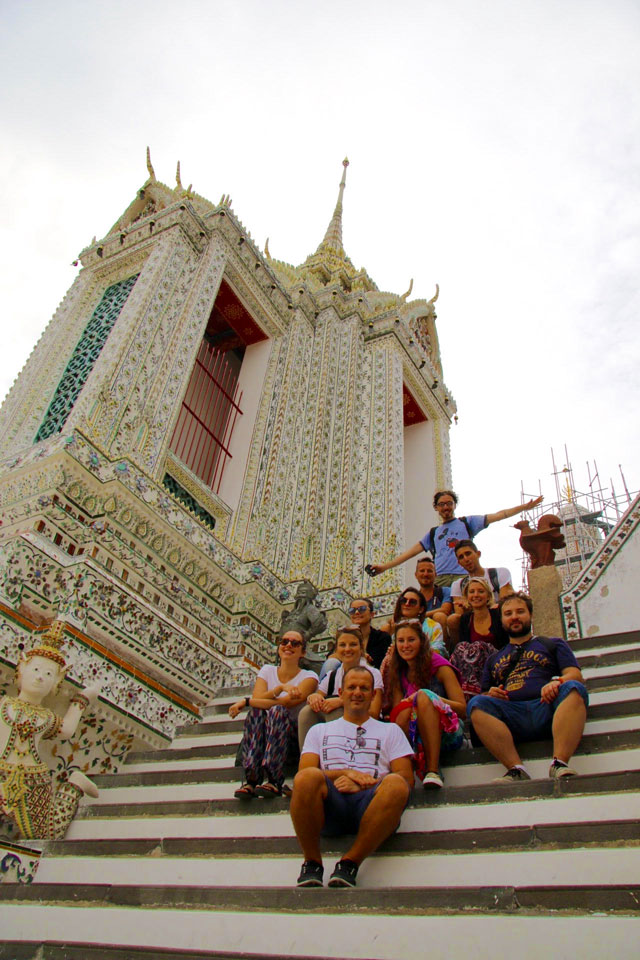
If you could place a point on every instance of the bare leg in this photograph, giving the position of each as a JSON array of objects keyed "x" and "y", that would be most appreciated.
[
  {"x": 430, "y": 732},
  {"x": 496, "y": 737},
  {"x": 307, "y": 810},
  {"x": 568, "y": 724},
  {"x": 381, "y": 817},
  {"x": 440, "y": 618},
  {"x": 307, "y": 718}
]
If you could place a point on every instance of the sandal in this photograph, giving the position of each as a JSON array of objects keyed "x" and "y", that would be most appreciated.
[
  {"x": 245, "y": 792},
  {"x": 268, "y": 790}
]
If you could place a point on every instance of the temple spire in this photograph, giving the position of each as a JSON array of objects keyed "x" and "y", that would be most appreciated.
[{"x": 333, "y": 236}]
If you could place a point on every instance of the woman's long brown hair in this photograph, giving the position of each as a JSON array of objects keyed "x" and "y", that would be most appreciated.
[{"x": 398, "y": 668}]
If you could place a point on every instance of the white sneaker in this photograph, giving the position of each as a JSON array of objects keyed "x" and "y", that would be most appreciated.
[
  {"x": 559, "y": 769},
  {"x": 432, "y": 780}
]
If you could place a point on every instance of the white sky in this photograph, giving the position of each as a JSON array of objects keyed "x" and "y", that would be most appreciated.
[{"x": 494, "y": 148}]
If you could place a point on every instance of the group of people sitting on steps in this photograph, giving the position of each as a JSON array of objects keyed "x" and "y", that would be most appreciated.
[{"x": 389, "y": 701}]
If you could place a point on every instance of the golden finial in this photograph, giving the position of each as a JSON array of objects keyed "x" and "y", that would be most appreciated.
[
  {"x": 333, "y": 236},
  {"x": 152, "y": 173},
  {"x": 436, "y": 295},
  {"x": 266, "y": 249},
  {"x": 50, "y": 645},
  {"x": 405, "y": 295},
  {"x": 178, "y": 180}
]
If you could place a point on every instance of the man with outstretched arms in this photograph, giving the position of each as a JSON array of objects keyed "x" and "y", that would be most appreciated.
[
  {"x": 355, "y": 776},
  {"x": 441, "y": 540},
  {"x": 532, "y": 689}
]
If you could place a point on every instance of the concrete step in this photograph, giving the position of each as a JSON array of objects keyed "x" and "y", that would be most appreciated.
[
  {"x": 221, "y": 725},
  {"x": 610, "y": 678},
  {"x": 220, "y": 736},
  {"x": 611, "y": 798},
  {"x": 291, "y": 922},
  {"x": 16, "y": 950},
  {"x": 608, "y": 865},
  {"x": 456, "y": 839},
  {"x": 603, "y": 718},
  {"x": 621, "y": 656},
  {"x": 496, "y": 899},
  {"x": 450, "y": 797},
  {"x": 222, "y": 701},
  {"x": 203, "y": 743},
  {"x": 602, "y": 737},
  {"x": 606, "y": 640},
  {"x": 462, "y": 775}
]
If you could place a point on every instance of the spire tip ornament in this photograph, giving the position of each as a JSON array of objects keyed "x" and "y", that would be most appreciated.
[{"x": 152, "y": 173}]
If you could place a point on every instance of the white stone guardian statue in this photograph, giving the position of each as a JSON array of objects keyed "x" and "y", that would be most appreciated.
[{"x": 27, "y": 796}]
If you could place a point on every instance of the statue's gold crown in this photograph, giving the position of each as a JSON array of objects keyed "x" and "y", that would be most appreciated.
[{"x": 51, "y": 644}]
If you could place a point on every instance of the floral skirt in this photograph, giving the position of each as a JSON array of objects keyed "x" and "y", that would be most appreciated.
[
  {"x": 469, "y": 657},
  {"x": 450, "y": 725}
]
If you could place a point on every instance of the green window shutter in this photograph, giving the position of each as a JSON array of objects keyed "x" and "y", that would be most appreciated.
[{"x": 84, "y": 356}]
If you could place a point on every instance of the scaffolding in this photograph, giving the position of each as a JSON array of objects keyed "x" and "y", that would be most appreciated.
[{"x": 588, "y": 515}]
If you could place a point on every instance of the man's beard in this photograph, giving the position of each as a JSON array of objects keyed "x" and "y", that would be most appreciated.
[{"x": 520, "y": 631}]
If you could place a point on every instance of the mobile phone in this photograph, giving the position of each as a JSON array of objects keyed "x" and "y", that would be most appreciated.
[{"x": 369, "y": 569}]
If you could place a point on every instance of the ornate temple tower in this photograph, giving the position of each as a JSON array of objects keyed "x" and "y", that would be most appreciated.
[{"x": 199, "y": 427}]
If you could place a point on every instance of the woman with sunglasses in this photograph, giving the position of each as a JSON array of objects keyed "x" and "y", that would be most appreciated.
[
  {"x": 410, "y": 604},
  {"x": 375, "y": 643},
  {"x": 481, "y": 634},
  {"x": 278, "y": 694},
  {"x": 326, "y": 704},
  {"x": 426, "y": 699}
]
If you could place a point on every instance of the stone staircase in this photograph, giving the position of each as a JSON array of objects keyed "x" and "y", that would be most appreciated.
[{"x": 167, "y": 864}]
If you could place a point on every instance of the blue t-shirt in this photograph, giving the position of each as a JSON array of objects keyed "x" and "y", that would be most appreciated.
[
  {"x": 447, "y": 536},
  {"x": 535, "y": 667},
  {"x": 434, "y": 603}
]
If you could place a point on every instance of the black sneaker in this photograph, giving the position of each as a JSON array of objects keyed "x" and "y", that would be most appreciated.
[
  {"x": 311, "y": 874},
  {"x": 344, "y": 874},
  {"x": 515, "y": 775}
]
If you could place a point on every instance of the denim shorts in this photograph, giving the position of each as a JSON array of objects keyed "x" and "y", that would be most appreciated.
[
  {"x": 527, "y": 719},
  {"x": 344, "y": 811}
]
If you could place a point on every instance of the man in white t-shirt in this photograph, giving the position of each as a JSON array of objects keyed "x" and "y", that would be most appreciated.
[
  {"x": 498, "y": 578},
  {"x": 355, "y": 776}
]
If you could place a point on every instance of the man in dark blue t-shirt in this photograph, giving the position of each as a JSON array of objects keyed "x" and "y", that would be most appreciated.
[{"x": 533, "y": 690}]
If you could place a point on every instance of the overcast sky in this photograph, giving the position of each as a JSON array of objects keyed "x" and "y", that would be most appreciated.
[{"x": 494, "y": 148}]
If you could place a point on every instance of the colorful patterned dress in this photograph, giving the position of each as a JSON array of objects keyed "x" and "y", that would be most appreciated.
[{"x": 450, "y": 723}]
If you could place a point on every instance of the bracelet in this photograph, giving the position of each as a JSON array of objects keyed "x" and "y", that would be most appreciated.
[
  {"x": 247, "y": 701},
  {"x": 81, "y": 700},
  {"x": 559, "y": 679}
]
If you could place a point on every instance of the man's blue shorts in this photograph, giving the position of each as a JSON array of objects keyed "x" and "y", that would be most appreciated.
[
  {"x": 527, "y": 719},
  {"x": 344, "y": 811}
]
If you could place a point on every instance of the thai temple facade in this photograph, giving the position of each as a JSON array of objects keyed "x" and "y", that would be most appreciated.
[
  {"x": 200, "y": 428},
  {"x": 201, "y": 431}
]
